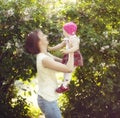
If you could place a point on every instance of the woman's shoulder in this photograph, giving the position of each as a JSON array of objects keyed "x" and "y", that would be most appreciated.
[{"x": 41, "y": 56}]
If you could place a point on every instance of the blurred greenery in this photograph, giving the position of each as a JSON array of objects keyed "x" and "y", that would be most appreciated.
[{"x": 95, "y": 87}]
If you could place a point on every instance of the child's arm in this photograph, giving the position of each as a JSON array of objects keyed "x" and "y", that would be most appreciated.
[
  {"x": 75, "y": 46},
  {"x": 60, "y": 45}
]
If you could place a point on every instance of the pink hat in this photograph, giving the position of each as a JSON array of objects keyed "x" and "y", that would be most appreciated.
[{"x": 70, "y": 28}]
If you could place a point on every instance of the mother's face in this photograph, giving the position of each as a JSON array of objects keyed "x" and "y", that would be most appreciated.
[{"x": 43, "y": 39}]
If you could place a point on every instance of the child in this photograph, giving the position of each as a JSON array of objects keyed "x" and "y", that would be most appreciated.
[{"x": 71, "y": 41}]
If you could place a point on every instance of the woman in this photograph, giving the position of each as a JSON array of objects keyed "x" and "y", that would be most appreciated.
[{"x": 47, "y": 65}]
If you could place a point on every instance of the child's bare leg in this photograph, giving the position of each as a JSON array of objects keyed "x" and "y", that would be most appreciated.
[
  {"x": 67, "y": 79},
  {"x": 64, "y": 87}
]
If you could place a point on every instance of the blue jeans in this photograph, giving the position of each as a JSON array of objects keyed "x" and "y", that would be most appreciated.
[{"x": 50, "y": 109}]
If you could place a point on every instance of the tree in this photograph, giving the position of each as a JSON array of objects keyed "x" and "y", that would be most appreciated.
[
  {"x": 16, "y": 20},
  {"x": 95, "y": 89}
]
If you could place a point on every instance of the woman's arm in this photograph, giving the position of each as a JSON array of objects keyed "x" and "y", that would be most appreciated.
[
  {"x": 52, "y": 64},
  {"x": 55, "y": 58},
  {"x": 60, "y": 45}
]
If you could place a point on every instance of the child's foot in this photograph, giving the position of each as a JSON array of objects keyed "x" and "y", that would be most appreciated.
[{"x": 62, "y": 89}]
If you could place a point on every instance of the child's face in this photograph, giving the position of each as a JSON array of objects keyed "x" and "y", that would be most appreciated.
[{"x": 65, "y": 33}]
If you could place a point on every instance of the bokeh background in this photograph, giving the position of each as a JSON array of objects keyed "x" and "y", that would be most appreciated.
[{"x": 95, "y": 87}]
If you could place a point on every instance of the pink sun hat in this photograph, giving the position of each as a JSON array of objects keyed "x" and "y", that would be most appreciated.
[{"x": 70, "y": 28}]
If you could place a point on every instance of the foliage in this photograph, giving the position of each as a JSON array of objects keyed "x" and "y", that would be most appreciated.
[
  {"x": 34, "y": 112},
  {"x": 17, "y": 18},
  {"x": 13, "y": 106},
  {"x": 95, "y": 88}
]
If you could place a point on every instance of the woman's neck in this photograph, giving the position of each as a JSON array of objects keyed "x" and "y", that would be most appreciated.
[{"x": 43, "y": 50}]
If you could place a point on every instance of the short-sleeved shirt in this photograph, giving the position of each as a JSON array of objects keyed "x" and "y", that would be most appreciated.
[{"x": 47, "y": 82}]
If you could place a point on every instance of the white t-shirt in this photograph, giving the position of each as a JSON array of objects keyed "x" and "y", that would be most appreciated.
[{"x": 47, "y": 82}]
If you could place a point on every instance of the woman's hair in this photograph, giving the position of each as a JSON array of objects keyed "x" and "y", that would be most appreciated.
[{"x": 31, "y": 44}]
